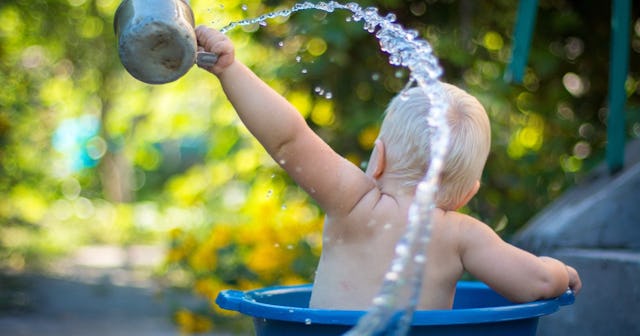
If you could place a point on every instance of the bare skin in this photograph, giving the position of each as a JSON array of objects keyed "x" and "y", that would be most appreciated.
[{"x": 366, "y": 212}]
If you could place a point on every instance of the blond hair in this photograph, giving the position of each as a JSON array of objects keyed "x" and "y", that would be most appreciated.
[{"x": 406, "y": 133}]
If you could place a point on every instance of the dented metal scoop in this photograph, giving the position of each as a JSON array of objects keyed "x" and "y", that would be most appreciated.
[{"x": 156, "y": 39}]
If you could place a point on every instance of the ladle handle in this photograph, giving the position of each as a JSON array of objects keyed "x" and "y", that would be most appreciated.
[{"x": 206, "y": 59}]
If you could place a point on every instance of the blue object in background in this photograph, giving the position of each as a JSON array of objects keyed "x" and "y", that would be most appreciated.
[
  {"x": 73, "y": 138},
  {"x": 523, "y": 33},
  {"x": 618, "y": 69},
  {"x": 477, "y": 310}
]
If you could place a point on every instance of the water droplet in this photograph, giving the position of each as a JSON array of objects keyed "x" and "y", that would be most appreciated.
[
  {"x": 244, "y": 7},
  {"x": 307, "y": 321},
  {"x": 298, "y": 58},
  {"x": 375, "y": 76},
  {"x": 391, "y": 276},
  {"x": 328, "y": 95},
  {"x": 390, "y": 17},
  {"x": 304, "y": 71},
  {"x": 281, "y": 44},
  {"x": 402, "y": 250},
  {"x": 379, "y": 301}
]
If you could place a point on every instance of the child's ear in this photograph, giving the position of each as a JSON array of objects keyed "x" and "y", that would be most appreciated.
[
  {"x": 378, "y": 160},
  {"x": 472, "y": 192}
]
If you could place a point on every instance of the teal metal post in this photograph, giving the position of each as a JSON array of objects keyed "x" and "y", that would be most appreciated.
[
  {"x": 525, "y": 22},
  {"x": 618, "y": 67}
]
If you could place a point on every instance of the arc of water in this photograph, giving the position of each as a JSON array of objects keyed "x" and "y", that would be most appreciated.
[{"x": 406, "y": 49}]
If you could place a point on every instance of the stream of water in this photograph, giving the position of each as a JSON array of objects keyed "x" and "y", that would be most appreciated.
[{"x": 388, "y": 315}]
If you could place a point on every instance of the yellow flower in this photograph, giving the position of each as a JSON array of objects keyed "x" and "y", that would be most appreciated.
[
  {"x": 223, "y": 312},
  {"x": 292, "y": 279},
  {"x": 207, "y": 287},
  {"x": 368, "y": 136},
  {"x": 189, "y": 322},
  {"x": 297, "y": 221},
  {"x": 221, "y": 235},
  {"x": 175, "y": 255},
  {"x": 205, "y": 257},
  {"x": 175, "y": 233},
  {"x": 245, "y": 284},
  {"x": 257, "y": 232},
  {"x": 268, "y": 260}
]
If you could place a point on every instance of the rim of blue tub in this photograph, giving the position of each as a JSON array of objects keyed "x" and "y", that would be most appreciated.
[{"x": 249, "y": 303}]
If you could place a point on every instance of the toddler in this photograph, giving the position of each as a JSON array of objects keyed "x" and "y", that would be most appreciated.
[{"x": 366, "y": 213}]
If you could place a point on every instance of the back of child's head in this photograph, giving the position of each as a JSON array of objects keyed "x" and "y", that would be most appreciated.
[{"x": 406, "y": 134}]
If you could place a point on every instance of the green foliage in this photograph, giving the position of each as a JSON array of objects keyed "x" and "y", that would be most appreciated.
[{"x": 172, "y": 162}]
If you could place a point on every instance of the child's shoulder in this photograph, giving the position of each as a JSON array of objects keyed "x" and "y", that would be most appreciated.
[
  {"x": 465, "y": 231},
  {"x": 455, "y": 224},
  {"x": 453, "y": 217}
]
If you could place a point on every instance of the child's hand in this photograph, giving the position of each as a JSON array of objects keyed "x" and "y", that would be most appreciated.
[
  {"x": 574, "y": 280},
  {"x": 212, "y": 41}
]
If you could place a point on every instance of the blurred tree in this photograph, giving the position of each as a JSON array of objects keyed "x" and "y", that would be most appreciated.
[
  {"x": 547, "y": 132},
  {"x": 90, "y": 155}
]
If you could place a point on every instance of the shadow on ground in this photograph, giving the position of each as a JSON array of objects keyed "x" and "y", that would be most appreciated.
[{"x": 84, "y": 300}]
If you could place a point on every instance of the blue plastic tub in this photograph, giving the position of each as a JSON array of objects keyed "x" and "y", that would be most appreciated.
[{"x": 477, "y": 310}]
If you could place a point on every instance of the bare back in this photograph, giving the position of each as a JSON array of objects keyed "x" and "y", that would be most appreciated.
[{"x": 358, "y": 250}]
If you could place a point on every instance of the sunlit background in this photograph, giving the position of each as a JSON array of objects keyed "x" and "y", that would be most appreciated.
[{"x": 89, "y": 156}]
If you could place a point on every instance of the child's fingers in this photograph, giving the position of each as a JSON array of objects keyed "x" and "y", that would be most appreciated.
[
  {"x": 215, "y": 50},
  {"x": 574, "y": 280},
  {"x": 208, "y": 37},
  {"x": 206, "y": 60}
]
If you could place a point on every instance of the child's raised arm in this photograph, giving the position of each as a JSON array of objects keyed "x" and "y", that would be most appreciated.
[
  {"x": 335, "y": 183},
  {"x": 514, "y": 273}
]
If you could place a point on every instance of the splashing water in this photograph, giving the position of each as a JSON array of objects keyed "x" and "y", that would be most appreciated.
[{"x": 405, "y": 49}]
